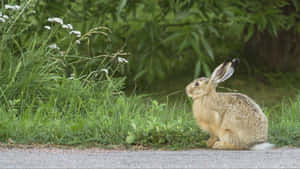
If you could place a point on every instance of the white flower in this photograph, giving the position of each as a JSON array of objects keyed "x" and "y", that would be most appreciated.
[
  {"x": 77, "y": 33},
  {"x": 72, "y": 77},
  {"x": 64, "y": 26},
  {"x": 122, "y": 60},
  {"x": 47, "y": 27},
  {"x": 54, "y": 46},
  {"x": 77, "y": 42},
  {"x": 2, "y": 20},
  {"x": 70, "y": 26},
  {"x": 12, "y": 7},
  {"x": 67, "y": 26},
  {"x": 56, "y": 19},
  {"x": 5, "y": 16},
  {"x": 104, "y": 70}
]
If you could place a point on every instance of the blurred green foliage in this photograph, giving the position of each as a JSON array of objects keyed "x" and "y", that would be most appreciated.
[{"x": 174, "y": 36}]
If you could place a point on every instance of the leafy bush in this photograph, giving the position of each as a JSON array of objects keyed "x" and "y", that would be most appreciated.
[{"x": 170, "y": 37}]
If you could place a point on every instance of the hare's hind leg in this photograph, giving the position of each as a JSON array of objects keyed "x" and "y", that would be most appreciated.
[{"x": 228, "y": 140}]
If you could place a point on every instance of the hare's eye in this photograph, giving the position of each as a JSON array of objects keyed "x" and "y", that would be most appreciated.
[{"x": 196, "y": 84}]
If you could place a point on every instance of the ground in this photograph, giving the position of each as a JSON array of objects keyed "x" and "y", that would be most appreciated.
[{"x": 50, "y": 157}]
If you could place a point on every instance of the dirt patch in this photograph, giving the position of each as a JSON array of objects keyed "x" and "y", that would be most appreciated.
[{"x": 71, "y": 148}]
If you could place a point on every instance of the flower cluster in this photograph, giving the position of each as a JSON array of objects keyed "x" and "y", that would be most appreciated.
[
  {"x": 122, "y": 60},
  {"x": 69, "y": 27},
  {"x": 4, "y": 18},
  {"x": 105, "y": 71},
  {"x": 77, "y": 33},
  {"x": 47, "y": 27},
  {"x": 53, "y": 46},
  {"x": 12, "y": 7},
  {"x": 65, "y": 26},
  {"x": 57, "y": 20}
]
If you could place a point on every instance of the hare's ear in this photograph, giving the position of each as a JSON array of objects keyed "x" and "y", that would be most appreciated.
[{"x": 224, "y": 71}]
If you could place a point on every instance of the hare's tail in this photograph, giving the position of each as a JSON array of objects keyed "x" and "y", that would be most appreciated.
[{"x": 262, "y": 146}]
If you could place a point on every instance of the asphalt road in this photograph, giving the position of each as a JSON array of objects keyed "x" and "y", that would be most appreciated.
[{"x": 96, "y": 158}]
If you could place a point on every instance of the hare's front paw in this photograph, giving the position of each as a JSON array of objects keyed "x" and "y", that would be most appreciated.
[
  {"x": 226, "y": 146},
  {"x": 211, "y": 141},
  {"x": 218, "y": 145}
]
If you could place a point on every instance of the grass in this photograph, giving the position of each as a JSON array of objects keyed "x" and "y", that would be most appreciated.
[
  {"x": 285, "y": 123},
  {"x": 69, "y": 95},
  {"x": 102, "y": 119},
  {"x": 267, "y": 89},
  {"x": 277, "y": 93},
  {"x": 64, "y": 96}
]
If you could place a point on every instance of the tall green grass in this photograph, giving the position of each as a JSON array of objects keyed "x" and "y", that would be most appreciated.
[
  {"x": 69, "y": 94},
  {"x": 285, "y": 122}
]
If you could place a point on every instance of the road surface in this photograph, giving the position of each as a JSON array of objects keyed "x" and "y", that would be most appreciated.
[{"x": 98, "y": 158}]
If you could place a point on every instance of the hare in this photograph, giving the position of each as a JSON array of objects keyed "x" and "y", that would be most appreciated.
[{"x": 233, "y": 120}]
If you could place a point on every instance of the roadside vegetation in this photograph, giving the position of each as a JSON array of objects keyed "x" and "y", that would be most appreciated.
[{"x": 61, "y": 84}]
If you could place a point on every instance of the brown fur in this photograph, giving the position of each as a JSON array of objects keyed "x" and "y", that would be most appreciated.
[{"x": 233, "y": 120}]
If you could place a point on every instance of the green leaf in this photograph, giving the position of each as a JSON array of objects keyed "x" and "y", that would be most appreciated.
[
  {"x": 172, "y": 37},
  {"x": 197, "y": 69},
  {"x": 207, "y": 47},
  {"x": 196, "y": 36},
  {"x": 155, "y": 103},
  {"x": 213, "y": 30},
  {"x": 206, "y": 69},
  {"x": 130, "y": 138},
  {"x": 298, "y": 27},
  {"x": 183, "y": 45},
  {"x": 139, "y": 74},
  {"x": 273, "y": 28},
  {"x": 198, "y": 14},
  {"x": 249, "y": 33},
  {"x": 15, "y": 73},
  {"x": 296, "y": 4},
  {"x": 262, "y": 22},
  {"x": 195, "y": 44},
  {"x": 133, "y": 126},
  {"x": 196, "y": 48},
  {"x": 122, "y": 5}
]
